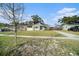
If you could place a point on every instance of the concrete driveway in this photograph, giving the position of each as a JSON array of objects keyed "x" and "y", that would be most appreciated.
[{"x": 67, "y": 34}]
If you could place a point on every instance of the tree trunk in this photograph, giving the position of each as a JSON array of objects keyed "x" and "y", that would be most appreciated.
[{"x": 15, "y": 25}]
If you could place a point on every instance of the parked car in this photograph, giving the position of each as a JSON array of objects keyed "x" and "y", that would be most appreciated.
[
  {"x": 75, "y": 28},
  {"x": 5, "y": 29},
  {"x": 0, "y": 30}
]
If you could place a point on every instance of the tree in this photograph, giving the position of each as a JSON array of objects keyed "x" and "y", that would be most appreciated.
[
  {"x": 2, "y": 25},
  {"x": 70, "y": 20},
  {"x": 12, "y": 12},
  {"x": 30, "y": 23},
  {"x": 36, "y": 19}
]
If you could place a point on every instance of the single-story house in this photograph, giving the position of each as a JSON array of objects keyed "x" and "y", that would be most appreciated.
[
  {"x": 24, "y": 27},
  {"x": 29, "y": 28},
  {"x": 68, "y": 26},
  {"x": 39, "y": 26}
]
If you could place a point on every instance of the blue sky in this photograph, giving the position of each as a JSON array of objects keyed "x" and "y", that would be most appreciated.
[{"x": 50, "y": 12}]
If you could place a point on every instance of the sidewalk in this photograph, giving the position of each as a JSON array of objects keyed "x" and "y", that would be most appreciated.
[
  {"x": 43, "y": 37},
  {"x": 67, "y": 34}
]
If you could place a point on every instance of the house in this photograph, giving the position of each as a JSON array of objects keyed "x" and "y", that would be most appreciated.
[
  {"x": 71, "y": 25},
  {"x": 22, "y": 27},
  {"x": 31, "y": 26},
  {"x": 28, "y": 27},
  {"x": 51, "y": 28},
  {"x": 39, "y": 26},
  {"x": 68, "y": 26}
]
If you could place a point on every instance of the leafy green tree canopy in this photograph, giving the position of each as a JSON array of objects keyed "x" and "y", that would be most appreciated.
[
  {"x": 2, "y": 25},
  {"x": 37, "y": 19},
  {"x": 70, "y": 20}
]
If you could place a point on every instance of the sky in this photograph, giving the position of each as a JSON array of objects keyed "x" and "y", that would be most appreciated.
[{"x": 49, "y": 12}]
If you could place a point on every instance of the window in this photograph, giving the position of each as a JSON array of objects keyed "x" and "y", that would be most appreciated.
[
  {"x": 36, "y": 27},
  {"x": 40, "y": 27}
]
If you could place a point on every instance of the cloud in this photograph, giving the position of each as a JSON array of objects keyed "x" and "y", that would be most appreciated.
[
  {"x": 3, "y": 20},
  {"x": 66, "y": 10},
  {"x": 1, "y": 12},
  {"x": 25, "y": 16}
]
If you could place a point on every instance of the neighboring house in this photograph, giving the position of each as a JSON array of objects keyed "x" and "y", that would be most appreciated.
[
  {"x": 11, "y": 27},
  {"x": 22, "y": 27},
  {"x": 28, "y": 27},
  {"x": 51, "y": 28},
  {"x": 19, "y": 27},
  {"x": 68, "y": 26},
  {"x": 39, "y": 26}
]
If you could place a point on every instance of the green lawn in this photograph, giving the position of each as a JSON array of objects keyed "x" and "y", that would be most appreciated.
[
  {"x": 35, "y": 33},
  {"x": 5, "y": 44},
  {"x": 73, "y": 44},
  {"x": 7, "y": 33},
  {"x": 31, "y": 46}
]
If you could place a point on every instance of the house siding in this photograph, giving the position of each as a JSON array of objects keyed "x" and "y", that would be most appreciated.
[
  {"x": 38, "y": 27},
  {"x": 29, "y": 29}
]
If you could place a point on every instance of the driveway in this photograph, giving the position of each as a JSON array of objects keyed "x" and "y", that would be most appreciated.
[{"x": 68, "y": 34}]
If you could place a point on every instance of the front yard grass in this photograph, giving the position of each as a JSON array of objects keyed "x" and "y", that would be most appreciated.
[
  {"x": 31, "y": 46},
  {"x": 35, "y": 33},
  {"x": 6, "y": 43},
  {"x": 73, "y": 44},
  {"x": 39, "y": 33}
]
